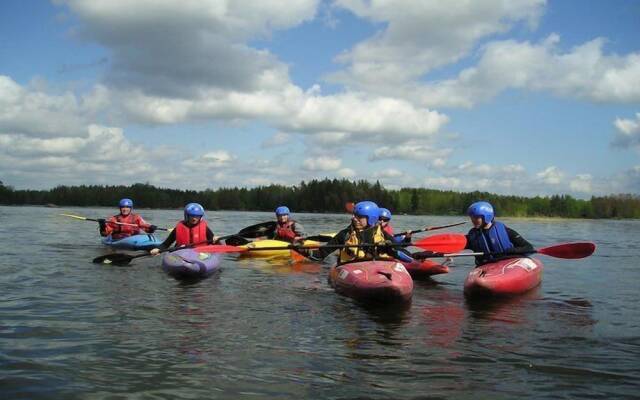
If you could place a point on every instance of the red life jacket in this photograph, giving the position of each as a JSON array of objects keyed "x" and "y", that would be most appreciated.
[
  {"x": 388, "y": 229},
  {"x": 285, "y": 231},
  {"x": 118, "y": 231},
  {"x": 186, "y": 235}
]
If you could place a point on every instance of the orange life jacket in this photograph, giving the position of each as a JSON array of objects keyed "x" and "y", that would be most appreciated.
[{"x": 186, "y": 235}]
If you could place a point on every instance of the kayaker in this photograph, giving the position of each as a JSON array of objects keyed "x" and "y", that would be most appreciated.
[
  {"x": 192, "y": 229},
  {"x": 364, "y": 229},
  {"x": 385, "y": 222},
  {"x": 287, "y": 229},
  {"x": 117, "y": 230},
  {"x": 492, "y": 237}
]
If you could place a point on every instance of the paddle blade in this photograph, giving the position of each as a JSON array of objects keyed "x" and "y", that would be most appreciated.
[
  {"x": 219, "y": 248},
  {"x": 444, "y": 243},
  {"x": 257, "y": 230},
  {"x": 115, "y": 259},
  {"x": 349, "y": 207},
  {"x": 569, "y": 250},
  {"x": 236, "y": 241},
  {"x": 320, "y": 238}
]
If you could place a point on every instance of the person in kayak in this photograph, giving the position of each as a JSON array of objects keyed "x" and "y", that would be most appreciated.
[
  {"x": 287, "y": 229},
  {"x": 136, "y": 224},
  {"x": 192, "y": 229},
  {"x": 405, "y": 237},
  {"x": 492, "y": 237},
  {"x": 364, "y": 229}
]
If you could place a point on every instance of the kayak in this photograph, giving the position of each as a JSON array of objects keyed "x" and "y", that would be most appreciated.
[
  {"x": 134, "y": 242},
  {"x": 425, "y": 268},
  {"x": 504, "y": 278},
  {"x": 190, "y": 264},
  {"x": 284, "y": 253},
  {"x": 372, "y": 281}
]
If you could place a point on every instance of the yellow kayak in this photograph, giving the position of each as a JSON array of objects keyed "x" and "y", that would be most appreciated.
[{"x": 269, "y": 243}]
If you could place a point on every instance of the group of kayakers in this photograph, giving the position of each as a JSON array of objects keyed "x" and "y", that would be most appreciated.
[{"x": 368, "y": 236}]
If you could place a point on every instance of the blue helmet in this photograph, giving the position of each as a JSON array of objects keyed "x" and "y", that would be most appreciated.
[
  {"x": 282, "y": 210},
  {"x": 125, "y": 203},
  {"x": 193, "y": 210},
  {"x": 481, "y": 209},
  {"x": 384, "y": 213},
  {"x": 367, "y": 209}
]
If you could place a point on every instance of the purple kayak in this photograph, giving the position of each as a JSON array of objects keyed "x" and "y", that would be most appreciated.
[{"x": 190, "y": 264}]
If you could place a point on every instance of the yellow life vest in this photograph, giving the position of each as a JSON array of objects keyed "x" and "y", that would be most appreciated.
[{"x": 367, "y": 236}]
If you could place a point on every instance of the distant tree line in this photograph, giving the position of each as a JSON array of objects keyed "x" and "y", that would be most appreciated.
[{"x": 328, "y": 195}]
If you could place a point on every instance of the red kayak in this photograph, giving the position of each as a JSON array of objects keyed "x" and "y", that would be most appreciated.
[
  {"x": 379, "y": 281},
  {"x": 504, "y": 278},
  {"x": 425, "y": 268}
]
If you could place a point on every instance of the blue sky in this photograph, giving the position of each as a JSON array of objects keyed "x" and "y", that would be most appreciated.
[{"x": 525, "y": 97}]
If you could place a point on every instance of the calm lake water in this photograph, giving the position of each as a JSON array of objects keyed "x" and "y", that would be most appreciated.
[{"x": 72, "y": 329}]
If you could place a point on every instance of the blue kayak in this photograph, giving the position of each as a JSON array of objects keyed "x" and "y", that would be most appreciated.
[
  {"x": 135, "y": 242},
  {"x": 190, "y": 264}
]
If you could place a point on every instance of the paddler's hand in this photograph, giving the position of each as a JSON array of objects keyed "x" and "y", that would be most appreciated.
[
  {"x": 102, "y": 224},
  {"x": 215, "y": 239},
  {"x": 154, "y": 252},
  {"x": 151, "y": 228}
]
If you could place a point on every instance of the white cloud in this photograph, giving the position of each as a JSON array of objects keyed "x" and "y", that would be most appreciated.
[
  {"x": 177, "y": 48},
  {"x": 211, "y": 160},
  {"x": 388, "y": 173},
  {"x": 34, "y": 112},
  {"x": 628, "y": 132},
  {"x": 585, "y": 72},
  {"x": 420, "y": 36},
  {"x": 550, "y": 175},
  {"x": 322, "y": 164},
  {"x": 346, "y": 173},
  {"x": 279, "y": 139},
  {"x": 581, "y": 183},
  {"x": 432, "y": 155}
]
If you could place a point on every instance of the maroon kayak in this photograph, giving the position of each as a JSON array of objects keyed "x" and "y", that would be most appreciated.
[
  {"x": 376, "y": 281},
  {"x": 504, "y": 278},
  {"x": 424, "y": 269}
]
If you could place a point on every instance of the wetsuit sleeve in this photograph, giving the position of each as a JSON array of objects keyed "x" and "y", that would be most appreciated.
[
  {"x": 324, "y": 251},
  {"x": 520, "y": 245},
  {"x": 298, "y": 229},
  {"x": 168, "y": 241},
  {"x": 209, "y": 235}
]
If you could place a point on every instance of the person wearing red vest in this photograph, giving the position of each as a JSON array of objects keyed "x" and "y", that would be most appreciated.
[
  {"x": 287, "y": 229},
  {"x": 126, "y": 223},
  {"x": 192, "y": 229}
]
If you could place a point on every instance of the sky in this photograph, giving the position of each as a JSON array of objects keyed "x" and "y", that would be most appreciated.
[{"x": 525, "y": 97}]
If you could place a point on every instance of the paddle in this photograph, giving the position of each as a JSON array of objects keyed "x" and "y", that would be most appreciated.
[
  {"x": 430, "y": 228},
  {"x": 447, "y": 242},
  {"x": 115, "y": 222},
  {"x": 570, "y": 251},
  {"x": 257, "y": 230},
  {"x": 124, "y": 259}
]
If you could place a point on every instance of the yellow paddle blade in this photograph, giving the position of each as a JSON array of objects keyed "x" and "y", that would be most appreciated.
[{"x": 74, "y": 216}]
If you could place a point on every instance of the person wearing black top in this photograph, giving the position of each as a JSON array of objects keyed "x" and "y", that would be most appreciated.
[{"x": 492, "y": 237}]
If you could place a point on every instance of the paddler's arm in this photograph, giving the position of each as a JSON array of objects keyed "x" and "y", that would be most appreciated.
[
  {"x": 322, "y": 252},
  {"x": 298, "y": 229},
  {"x": 165, "y": 245},
  {"x": 520, "y": 244}
]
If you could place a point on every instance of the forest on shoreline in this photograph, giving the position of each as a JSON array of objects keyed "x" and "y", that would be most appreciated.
[{"x": 328, "y": 195}]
